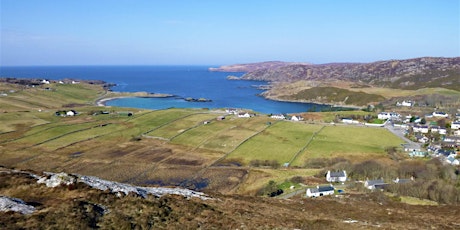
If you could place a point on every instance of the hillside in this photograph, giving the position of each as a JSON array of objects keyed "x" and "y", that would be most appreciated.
[
  {"x": 405, "y": 74},
  {"x": 237, "y": 162},
  {"x": 78, "y": 206},
  {"x": 371, "y": 83}
]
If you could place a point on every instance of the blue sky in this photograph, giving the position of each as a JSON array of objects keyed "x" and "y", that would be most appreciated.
[{"x": 127, "y": 32}]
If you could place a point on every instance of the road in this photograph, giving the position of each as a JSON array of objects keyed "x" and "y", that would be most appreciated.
[{"x": 398, "y": 131}]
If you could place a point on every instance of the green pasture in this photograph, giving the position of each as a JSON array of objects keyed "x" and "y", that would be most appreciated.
[
  {"x": 280, "y": 142},
  {"x": 178, "y": 126},
  {"x": 222, "y": 136},
  {"x": 335, "y": 141},
  {"x": 197, "y": 136}
]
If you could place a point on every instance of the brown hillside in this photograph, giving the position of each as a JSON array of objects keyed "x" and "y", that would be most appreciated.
[{"x": 410, "y": 73}]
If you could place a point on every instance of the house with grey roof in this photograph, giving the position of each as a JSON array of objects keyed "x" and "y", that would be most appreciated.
[
  {"x": 320, "y": 191},
  {"x": 375, "y": 184},
  {"x": 339, "y": 176}
]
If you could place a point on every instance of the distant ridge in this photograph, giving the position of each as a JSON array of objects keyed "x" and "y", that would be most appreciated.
[
  {"x": 408, "y": 74},
  {"x": 255, "y": 66}
]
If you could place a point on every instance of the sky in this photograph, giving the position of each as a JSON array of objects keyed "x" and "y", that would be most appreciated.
[{"x": 222, "y": 32}]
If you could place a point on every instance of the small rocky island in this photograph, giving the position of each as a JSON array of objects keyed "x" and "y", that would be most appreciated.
[{"x": 190, "y": 99}]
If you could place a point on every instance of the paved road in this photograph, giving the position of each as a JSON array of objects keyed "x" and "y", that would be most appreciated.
[
  {"x": 288, "y": 193},
  {"x": 398, "y": 131}
]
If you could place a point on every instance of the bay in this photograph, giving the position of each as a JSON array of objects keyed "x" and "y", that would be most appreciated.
[{"x": 180, "y": 81}]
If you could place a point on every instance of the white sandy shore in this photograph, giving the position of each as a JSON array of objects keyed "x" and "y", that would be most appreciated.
[{"x": 103, "y": 101}]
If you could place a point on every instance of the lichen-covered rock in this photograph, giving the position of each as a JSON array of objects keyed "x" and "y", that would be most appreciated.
[
  {"x": 119, "y": 188},
  {"x": 58, "y": 179},
  {"x": 15, "y": 205}
]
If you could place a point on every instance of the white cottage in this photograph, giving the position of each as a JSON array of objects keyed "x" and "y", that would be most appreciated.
[
  {"x": 340, "y": 176},
  {"x": 320, "y": 191}
]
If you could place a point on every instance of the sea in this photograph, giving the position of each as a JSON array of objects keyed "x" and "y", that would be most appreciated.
[{"x": 180, "y": 81}]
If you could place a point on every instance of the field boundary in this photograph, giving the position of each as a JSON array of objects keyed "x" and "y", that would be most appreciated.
[{"x": 306, "y": 145}]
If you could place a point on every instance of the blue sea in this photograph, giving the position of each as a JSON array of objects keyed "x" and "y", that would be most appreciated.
[{"x": 180, "y": 81}]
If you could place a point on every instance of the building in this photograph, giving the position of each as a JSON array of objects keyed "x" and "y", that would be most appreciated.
[
  {"x": 320, "y": 191},
  {"x": 455, "y": 125},
  {"x": 405, "y": 103},
  {"x": 339, "y": 176},
  {"x": 244, "y": 114},
  {"x": 375, "y": 184},
  {"x": 278, "y": 116},
  {"x": 440, "y": 114},
  {"x": 296, "y": 118},
  {"x": 420, "y": 129},
  {"x": 388, "y": 115}
]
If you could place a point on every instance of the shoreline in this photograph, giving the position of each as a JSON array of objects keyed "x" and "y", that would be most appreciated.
[
  {"x": 102, "y": 101},
  {"x": 313, "y": 102}
]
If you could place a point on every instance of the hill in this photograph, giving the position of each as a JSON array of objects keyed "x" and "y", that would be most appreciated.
[
  {"x": 377, "y": 82},
  {"x": 79, "y": 206},
  {"x": 406, "y": 74}
]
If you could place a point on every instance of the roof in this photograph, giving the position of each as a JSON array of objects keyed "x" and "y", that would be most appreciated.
[
  {"x": 326, "y": 188},
  {"x": 337, "y": 174},
  {"x": 375, "y": 182}
]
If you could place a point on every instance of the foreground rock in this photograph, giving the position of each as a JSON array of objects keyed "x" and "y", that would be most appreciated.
[
  {"x": 56, "y": 179},
  {"x": 15, "y": 205}
]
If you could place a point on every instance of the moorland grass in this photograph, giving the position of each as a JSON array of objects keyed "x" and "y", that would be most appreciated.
[{"x": 10, "y": 121}]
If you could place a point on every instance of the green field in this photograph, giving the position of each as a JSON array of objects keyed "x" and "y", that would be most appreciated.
[
  {"x": 361, "y": 142},
  {"x": 279, "y": 142}
]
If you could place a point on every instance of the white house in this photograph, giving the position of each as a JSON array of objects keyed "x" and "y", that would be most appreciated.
[
  {"x": 457, "y": 133},
  {"x": 71, "y": 113},
  {"x": 440, "y": 114},
  {"x": 437, "y": 129},
  {"x": 296, "y": 118},
  {"x": 420, "y": 129},
  {"x": 44, "y": 81},
  {"x": 452, "y": 160},
  {"x": 278, "y": 116},
  {"x": 388, "y": 115},
  {"x": 404, "y": 103},
  {"x": 244, "y": 114},
  {"x": 231, "y": 111},
  {"x": 455, "y": 125},
  {"x": 320, "y": 191},
  {"x": 349, "y": 121},
  {"x": 339, "y": 176}
]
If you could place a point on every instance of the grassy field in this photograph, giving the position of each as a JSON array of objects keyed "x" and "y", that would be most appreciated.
[
  {"x": 279, "y": 142},
  {"x": 349, "y": 141}
]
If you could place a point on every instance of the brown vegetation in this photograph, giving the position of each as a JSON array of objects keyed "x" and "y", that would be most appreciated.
[{"x": 80, "y": 207}]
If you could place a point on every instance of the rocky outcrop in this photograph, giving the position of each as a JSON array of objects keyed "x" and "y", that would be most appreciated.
[
  {"x": 57, "y": 179},
  {"x": 15, "y": 205}
]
